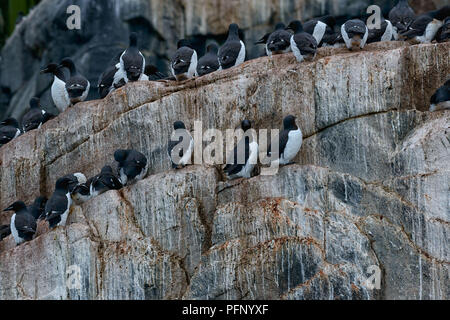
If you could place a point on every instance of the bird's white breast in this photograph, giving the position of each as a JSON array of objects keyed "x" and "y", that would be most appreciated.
[
  {"x": 241, "y": 57},
  {"x": 293, "y": 145},
  {"x": 59, "y": 94},
  {"x": 296, "y": 50},
  {"x": 319, "y": 31},
  {"x": 14, "y": 231}
]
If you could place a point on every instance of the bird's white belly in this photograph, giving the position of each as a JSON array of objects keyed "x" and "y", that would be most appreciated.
[
  {"x": 59, "y": 94},
  {"x": 187, "y": 156},
  {"x": 251, "y": 162},
  {"x": 14, "y": 231},
  {"x": 292, "y": 146},
  {"x": 319, "y": 31},
  {"x": 241, "y": 57},
  {"x": 388, "y": 33},
  {"x": 66, "y": 213},
  {"x": 296, "y": 50},
  {"x": 193, "y": 65}
]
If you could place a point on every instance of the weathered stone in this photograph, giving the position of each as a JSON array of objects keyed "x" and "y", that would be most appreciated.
[{"x": 370, "y": 188}]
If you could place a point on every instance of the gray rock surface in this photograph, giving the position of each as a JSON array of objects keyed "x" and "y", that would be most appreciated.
[
  {"x": 370, "y": 187},
  {"x": 43, "y": 37}
]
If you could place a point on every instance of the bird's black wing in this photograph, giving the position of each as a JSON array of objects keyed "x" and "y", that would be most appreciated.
[
  {"x": 105, "y": 81},
  {"x": 182, "y": 60},
  {"x": 25, "y": 223},
  {"x": 376, "y": 34},
  {"x": 279, "y": 40},
  {"x": 76, "y": 86},
  {"x": 237, "y": 165},
  {"x": 207, "y": 64},
  {"x": 418, "y": 27},
  {"x": 56, "y": 206},
  {"x": 32, "y": 119},
  {"x": 228, "y": 54},
  {"x": 7, "y": 133},
  {"x": 282, "y": 141},
  {"x": 5, "y": 231},
  {"x": 306, "y": 43}
]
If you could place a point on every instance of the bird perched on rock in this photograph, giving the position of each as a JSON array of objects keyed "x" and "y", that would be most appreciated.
[
  {"x": 209, "y": 62},
  {"x": 385, "y": 33},
  {"x": 132, "y": 165},
  {"x": 59, "y": 93},
  {"x": 401, "y": 16},
  {"x": 303, "y": 45},
  {"x": 232, "y": 52},
  {"x": 184, "y": 61},
  {"x": 35, "y": 117},
  {"x": 106, "y": 81},
  {"x": 23, "y": 224},
  {"x": 443, "y": 34},
  {"x": 277, "y": 42},
  {"x": 5, "y": 230},
  {"x": 58, "y": 206},
  {"x": 355, "y": 34},
  {"x": 131, "y": 65},
  {"x": 322, "y": 29},
  {"x": 244, "y": 155},
  {"x": 441, "y": 98},
  {"x": 104, "y": 181},
  {"x": 9, "y": 130},
  {"x": 151, "y": 73},
  {"x": 424, "y": 27},
  {"x": 180, "y": 150},
  {"x": 37, "y": 209},
  {"x": 76, "y": 179},
  {"x": 289, "y": 143},
  {"x": 77, "y": 86},
  {"x": 82, "y": 192}
]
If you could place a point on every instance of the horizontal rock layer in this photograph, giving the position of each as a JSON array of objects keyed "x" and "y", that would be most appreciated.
[{"x": 370, "y": 187}]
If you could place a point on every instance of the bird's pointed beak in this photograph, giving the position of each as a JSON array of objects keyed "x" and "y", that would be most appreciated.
[
  {"x": 44, "y": 71},
  {"x": 10, "y": 208}
]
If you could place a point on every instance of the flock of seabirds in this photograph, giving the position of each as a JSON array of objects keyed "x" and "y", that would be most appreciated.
[{"x": 129, "y": 66}]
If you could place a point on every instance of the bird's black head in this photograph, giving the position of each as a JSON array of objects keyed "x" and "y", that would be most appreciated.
[
  {"x": 212, "y": 47},
  {"x": 16, "y": 206},
  {"x": 295, "y": 26},
  {"x": 34, "y": 102},
  {"x": 10, "y": 122},
  {"x": 107, "y": 169},
  {"x": 264, "y": 39},
  {"x": 121, "y": 155},
  {"x": 66, "y": 184},
  {"x": 329, "y": 20},
  {"x": 50, "y": 68},
  {"x": 179, "y": 125},
  {"x": 246, "y": 125},
  {"x": 280, "y": 26},
  {"x": 233, "y": 28},
  {"x": 40, "y": 202},
  {"x": 69, "y": 64},
  {"x": 184, "y": 43},
  {"x": 289, "y": 122},
  {"x": 133, "y": 39}
]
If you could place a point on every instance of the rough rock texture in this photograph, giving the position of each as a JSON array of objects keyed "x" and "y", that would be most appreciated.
[
  {"x": 43, "y": 36},
  {"x": 370, "y": 187}
]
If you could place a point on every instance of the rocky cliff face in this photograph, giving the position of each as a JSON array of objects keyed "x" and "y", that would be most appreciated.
[
  {"x": 370, "y": 188},
  {"x": 43, "y": 36}
]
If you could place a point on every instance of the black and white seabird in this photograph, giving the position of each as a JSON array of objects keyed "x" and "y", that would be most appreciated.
[
  {"x": 9, "y": 130},
  {"x": 425, "y": 27},
  {"x": 245, "y": 155},
  {"x": 133, "y": 165},
  {"x": 106, "y": 81},
  {"x": 184, "y": 62},
  {"x": 82, "y": 192},
  {"x": 303, "y": 45},
  {"x": 401, "y": 16},
  {"x": 232, "y": 52},
  {"x": 289, "y": 142},
  {"x": 58, "y": 206},
  {"x": 23, "y": 224},
  {"x": 209, "y": 62},
  {"x": 37, "y": 208},
  {"x": 443, "y": 35},
  {"x": 59, "y": 94},
  {"x": 441, "y": 99},
  {"x": 104, "y": 181},
  {"x": 131, "y": 65},
  {"x": 184, "y": 146},
  {"x": 35, "y": 117},
  {"x": 77, "y": 86},
  {"x": 355, "y": 34},
  {"x": 5, "y": 230},
  {"x": 151, "y": 73},
  {"x": 277, "y": 42},
  {"x": 385, "y": 33},
  {"x": 322, "y": 29}
]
